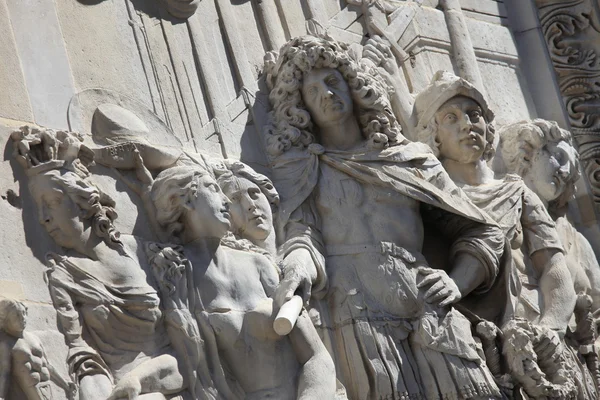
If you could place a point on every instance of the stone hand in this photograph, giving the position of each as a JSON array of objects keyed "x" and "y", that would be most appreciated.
[
  {"x": 144, "y": 181},
  {"x": 127, "y": 388},
  {"x": 437, "y": 287},
  {"x": 295, "y": 277},
  {"x": 378, "y": 51},
  {"x": 71, "y": 391},
  {"x": 548, "y": 345}
]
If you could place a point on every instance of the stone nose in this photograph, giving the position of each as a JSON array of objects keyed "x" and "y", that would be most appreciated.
[{"x": 465, "y": 122}]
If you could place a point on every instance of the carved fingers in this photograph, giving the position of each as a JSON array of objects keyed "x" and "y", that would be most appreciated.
[
  {"x": 143, "y": 182},
  {"x": 548, "y": 346},
  {"x": 295, "y": 278},
  {"x": 127, "y": 388},
  {"x": 378, "y": 51},
  {"x": 437, "y": 287}
]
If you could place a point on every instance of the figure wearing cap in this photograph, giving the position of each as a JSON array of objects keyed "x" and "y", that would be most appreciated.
[
  {"x": 355, "y": 196},
  {"x": 455, "y": 121}
]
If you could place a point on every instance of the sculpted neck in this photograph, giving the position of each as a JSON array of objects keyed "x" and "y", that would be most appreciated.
[
  {"x": 473, "y": 173},
  {"x": 341, "y": 135},
  {"x": 268, "y": 244}
]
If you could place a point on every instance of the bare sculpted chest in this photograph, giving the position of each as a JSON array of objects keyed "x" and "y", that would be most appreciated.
[
  {"x": 356, "y": 213},
  {"x": 29, "y": 361}
]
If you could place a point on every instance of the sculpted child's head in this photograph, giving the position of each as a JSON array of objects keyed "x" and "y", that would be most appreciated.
[
  {"x": 190, "y": 204},
  {"x": 70, "y": 208},
  {"x": 13, "y": 317},
  {"x": 254, "y": 200},
  {"x": 544, "y": 156},
  {"x": 454, "y": 120},
  {"x": 315, "y": 82}
]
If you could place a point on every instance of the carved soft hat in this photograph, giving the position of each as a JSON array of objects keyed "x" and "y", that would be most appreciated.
[{"x": 443, "y": 87}]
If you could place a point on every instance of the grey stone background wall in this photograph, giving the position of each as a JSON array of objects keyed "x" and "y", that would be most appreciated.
[{"x": 202, "y": 77}]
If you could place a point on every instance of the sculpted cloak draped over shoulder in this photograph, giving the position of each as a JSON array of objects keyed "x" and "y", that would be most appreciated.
[{"x": 386, "y": 341}]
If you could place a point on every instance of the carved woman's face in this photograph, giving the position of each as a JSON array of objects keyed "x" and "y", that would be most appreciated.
[
  {"x": 551, "y": 168},
  {"x": 251, "y": 215},
  {"x": 57, "y": 212},
  {"x": 461, "y": 130},
  {"x": 208, "y": 210},
  {"x": 327, "y": 96}
]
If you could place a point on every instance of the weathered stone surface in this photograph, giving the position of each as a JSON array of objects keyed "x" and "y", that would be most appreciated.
[{"x": 201, "y": 202}]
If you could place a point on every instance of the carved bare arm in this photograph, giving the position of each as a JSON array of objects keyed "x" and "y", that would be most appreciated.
[
  {"x": 317, "y": 377},
  {"x": 68, "y": 386},
  {"x": 475, "y": 252},
  {"x": 556, "y": 285}
]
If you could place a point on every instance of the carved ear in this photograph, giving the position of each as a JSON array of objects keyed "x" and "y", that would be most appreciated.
[{"x": 185, "y": 199}]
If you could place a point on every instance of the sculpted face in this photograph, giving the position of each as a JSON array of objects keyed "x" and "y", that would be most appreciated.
[
  {"x": 461, "y": 130},
  {"x": 16, "y": 320},
  {"x": 327, "y": 96},
  {"x": 57, "y": 212},
  {"x": 208, "y": 210},
  {"x": 251, "y": 214},
  {"x": 551, "y": 167}
]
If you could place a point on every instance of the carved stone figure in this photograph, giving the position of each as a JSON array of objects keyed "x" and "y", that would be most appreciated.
[
  {"x": 23, "y": 358},
  {"x": 543, "y": 155},
  {"x": 231, "y": 289},
  {"x": 454, "y": 119},
  {"x": 354, "y": 199},
  {"x": 106, "y": 306},
  {"x": 254, "y": 202}
]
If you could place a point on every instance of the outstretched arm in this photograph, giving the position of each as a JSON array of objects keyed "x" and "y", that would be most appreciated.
[{"x": 317, "y": 376}]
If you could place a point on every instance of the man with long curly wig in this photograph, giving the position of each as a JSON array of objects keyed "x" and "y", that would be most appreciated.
[{"x": 356, "y": 198}]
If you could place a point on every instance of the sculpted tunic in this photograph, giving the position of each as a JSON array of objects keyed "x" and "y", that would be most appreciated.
[
  {"x": 110, "y": 330},
  {"x": 528, "y": 227},
  {"x": 524, "y": 220},
  {"x": 387, "y": 344}
]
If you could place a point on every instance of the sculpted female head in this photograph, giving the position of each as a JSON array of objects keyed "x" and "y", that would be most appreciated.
[
  {"x": 71, "y": 208},
  {"x": 454, "y": 120},
  {"x": 298, "y": 112},
  {"x": 253, "y": 201},
  {"x": 543, "y": 155},
  {"x": 13, "y": 317},
  {"x": 190, "y": 204}
]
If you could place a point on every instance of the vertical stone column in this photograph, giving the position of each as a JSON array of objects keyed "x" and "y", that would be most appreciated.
[{"x": 572, "y": 33}]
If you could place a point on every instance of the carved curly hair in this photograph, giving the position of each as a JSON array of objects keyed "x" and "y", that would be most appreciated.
[
  {"x": 291, "y": 124},
  {"x": 8, "y": 305},
  {"x": 519, "y": 142},
  {"x": 170, "y": 190},
  {"x": 94, "y": 204}
]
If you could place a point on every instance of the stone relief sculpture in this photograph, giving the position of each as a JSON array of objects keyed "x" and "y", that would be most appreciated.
[
  {"x": 254, "y": 202},
  {"x": 454, "y": 119},
  {"x": 23, "y": 358},
  {"x": 231, "y": 289},
  {"x": 107, "y": 309},
  {"x": 543, "y": 155},
  {"x": 354, "y": 197}
]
